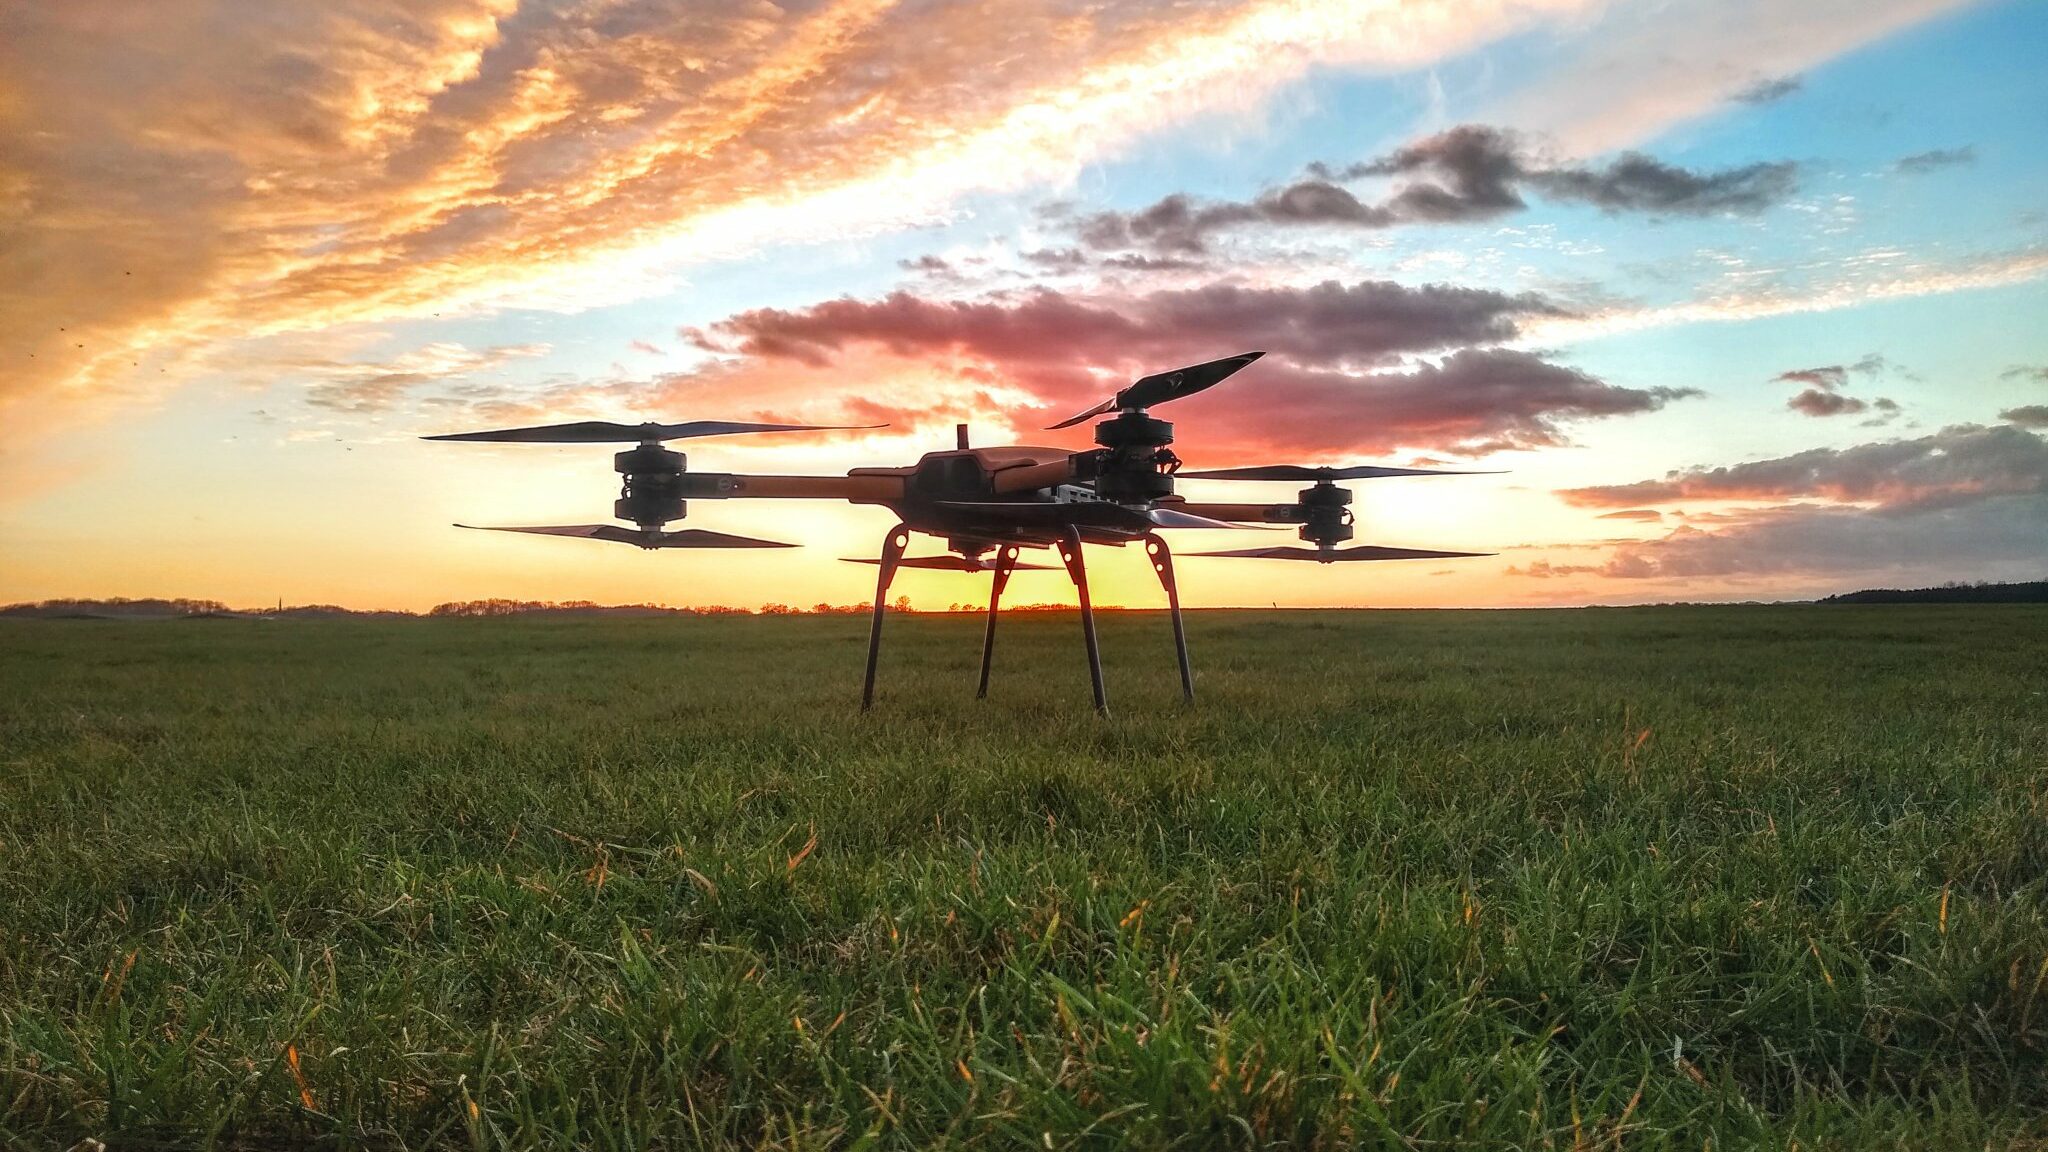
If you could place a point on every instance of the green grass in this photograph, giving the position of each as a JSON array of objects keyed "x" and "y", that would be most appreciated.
[{"x": 1651, "y": 878}]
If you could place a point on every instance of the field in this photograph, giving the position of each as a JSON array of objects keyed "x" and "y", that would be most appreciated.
[{"x": 1634, "y": 878}]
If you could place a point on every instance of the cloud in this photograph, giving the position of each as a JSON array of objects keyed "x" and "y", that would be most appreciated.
[
  {"x": 1968, "y": 502},
  {"x": 1641, "y": 514},
  {"x": 2027, "y": 415},
  {"x": 1769, "y": 91},
  {"x": 1346, "y": 368},
  {"x": 1831, "y": 377},
  {"x": 1921, "y": 163},
  {"x": 1961, "y": 464},
  {"x": 1367, "y": 323},
  {"x": 1468, "y": 173},
  {"x": 1639, "y": 69},
  {"x": 361, "y": 386},
  {"x": 1478, "y": 172},
  {"x": 1179, "y": 224},
  {"x": 1472, "y": 402},
  {"x": 1853, "y": 286},
  {"x": 1814, "y": 402},
  {"x": 2026, "y": 372},
  {"x": 1823, "y": 395},
  {"x": 185, "y": 172},
  {"x": 1998, "y": 538}
]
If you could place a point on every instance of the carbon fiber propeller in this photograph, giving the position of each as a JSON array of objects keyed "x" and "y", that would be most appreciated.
[
  {"x": 1302, "y": 472},
  {"x": 1160, "y": 387},
  {"x": 638, "y": 537},
  {"x": 606, "y": 432},
  {"x": 1333, "y": 555}
]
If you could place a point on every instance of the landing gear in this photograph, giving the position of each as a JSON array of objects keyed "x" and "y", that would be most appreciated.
[
  {"x": 1006, "y": 563},
  {"x": 892, "y": 553},
  {"x": 1162, "y": 566},
  {"x": 1070, "y": 551}
]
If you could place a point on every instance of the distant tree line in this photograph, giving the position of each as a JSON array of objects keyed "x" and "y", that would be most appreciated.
[
  {"x": 1955, "y": 592},
  {"x": 117, "y": 606},
  {"x": 168, "y": 608},
  {"x": 173, "y": 608}
]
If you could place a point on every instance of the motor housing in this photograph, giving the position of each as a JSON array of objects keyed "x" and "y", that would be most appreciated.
[
  {"x": 651, "y": 489},
  {"x": 1325, "y": 511},
  {"x": 1135, "y": 466}
]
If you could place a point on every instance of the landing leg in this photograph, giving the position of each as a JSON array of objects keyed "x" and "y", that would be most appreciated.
[
  {"x": 1162, "y": 564},
  {"x": 892, "y": 552},
  {"x": 1070, "y": 551},
  {"x": 1005, "y": 560}
]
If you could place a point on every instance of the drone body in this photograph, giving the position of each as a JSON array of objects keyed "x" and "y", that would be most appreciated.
[{"x": 993, "y": 500}]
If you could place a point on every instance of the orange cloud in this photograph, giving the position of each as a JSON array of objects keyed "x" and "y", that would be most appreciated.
[{"x": 184, "y": 172}]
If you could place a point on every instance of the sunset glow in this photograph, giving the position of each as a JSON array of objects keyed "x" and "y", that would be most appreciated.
[{"x": 1743, "y": 299}]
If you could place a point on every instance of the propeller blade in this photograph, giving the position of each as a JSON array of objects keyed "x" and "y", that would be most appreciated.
[
  {"x": 1182, "y": 382},
  {"x": 606, "y": 432},
  {"x": 1175, "y": 518},
  {"x": 1093, "y": 515},
  {"x": 1332, "y": 555},
  {"x": 1305, "y": 472},
  {"x": 946, "y": 563},
  {"x": 1090, "y": 414},
  {"x": 1160, "y": 387},
  {"x": 640, "y": 537}
]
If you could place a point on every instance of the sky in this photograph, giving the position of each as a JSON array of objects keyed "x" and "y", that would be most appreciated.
[{"x": 1743, "y": 300}]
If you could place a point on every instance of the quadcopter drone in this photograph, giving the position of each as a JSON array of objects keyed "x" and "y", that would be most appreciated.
[{"x": 993, "y": 500}]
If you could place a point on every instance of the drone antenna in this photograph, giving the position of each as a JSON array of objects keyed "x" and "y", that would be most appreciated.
[{"x": 960, "y": 436}]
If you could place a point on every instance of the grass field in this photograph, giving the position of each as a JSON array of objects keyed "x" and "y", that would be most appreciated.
[{"x": 1636, "y": 878}]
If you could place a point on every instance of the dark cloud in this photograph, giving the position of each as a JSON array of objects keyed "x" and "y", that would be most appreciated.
[
  {"x": 2025, "y": 372},
  {"x": 1959, "y": 465},
  {"x": 1473, "y": 402},
  {"x": 1830, "y": 378},
  {"x": 1814, "y": 402},
  {"x": 1330, "y": 324},
  {"x": 1139, "y": 262},
  {"x": 1057, "y": 259},
  {"x": 1178, "y": 223},
  {"x": 1469, "y": 173},
  {"x": 1921, "y": 163},
  {"x": 1329, "y": 383},
  {"x": 1770, "y": 91},
  {"x": 1639, "y": 183},
  {"x": 1823, "y": 395},
  {"x": 1886, "y": 409},
  {"x": 2027, "y": 415}
]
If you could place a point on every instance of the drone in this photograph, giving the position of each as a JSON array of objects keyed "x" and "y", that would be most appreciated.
[{"x": 988, "y": 504}]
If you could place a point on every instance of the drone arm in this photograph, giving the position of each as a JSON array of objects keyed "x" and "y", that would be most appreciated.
[
  {"x": 857, "y": 489},
  {"x": 1245, "y": 513}
]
